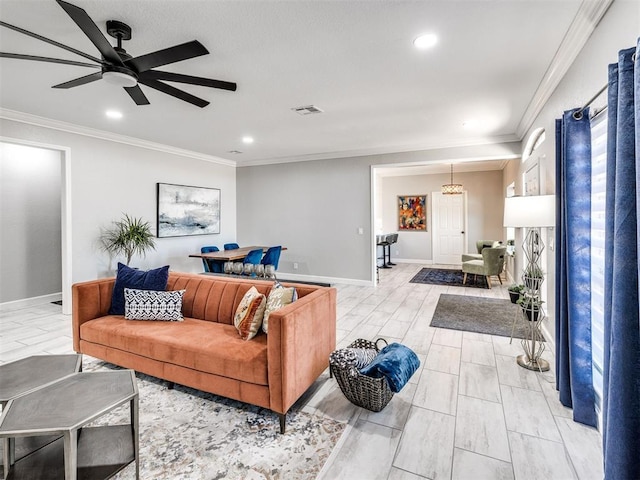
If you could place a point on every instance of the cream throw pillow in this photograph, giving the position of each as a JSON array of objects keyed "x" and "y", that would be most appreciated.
[
  {"x": 249, "y": 314},
  {"x": 279, "y": 296}
]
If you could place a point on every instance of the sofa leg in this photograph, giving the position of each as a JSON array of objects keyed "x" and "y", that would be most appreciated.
[
  {"x": 464, "y": 280},
  {"x": 170, "y": 385},
  {"x": 283, "y": 421}
]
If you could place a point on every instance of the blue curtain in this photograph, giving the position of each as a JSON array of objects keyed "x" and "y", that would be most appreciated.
[
  {"x": 621, "y": 405},
  {"x": 573, "y": 265}
]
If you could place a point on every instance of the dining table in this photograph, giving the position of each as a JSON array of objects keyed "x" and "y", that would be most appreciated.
[{"x": 230, "y": 255}]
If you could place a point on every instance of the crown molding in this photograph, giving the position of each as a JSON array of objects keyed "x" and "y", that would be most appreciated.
[
  {"x": 112, "y": 137},
  {"x": 585, "y": 22},
  {"x": 467, "y": 142}
]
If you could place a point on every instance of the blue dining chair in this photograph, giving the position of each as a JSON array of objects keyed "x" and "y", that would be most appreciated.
[
  {"x": 212, "y": 266},
  {"x": 231, "y": 246},
  {"x": 253, "y": 256},
  {"x": 272, "y": 257}
]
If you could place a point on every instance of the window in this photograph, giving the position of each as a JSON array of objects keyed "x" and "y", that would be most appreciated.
[{"x": 598, "y": 197}]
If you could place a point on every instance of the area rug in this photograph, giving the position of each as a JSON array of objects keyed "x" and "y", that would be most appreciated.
[
  {"x": 443, "y": 276},
  {"x": 493, "y": 316},
  {"x": 189, "y": 434}
]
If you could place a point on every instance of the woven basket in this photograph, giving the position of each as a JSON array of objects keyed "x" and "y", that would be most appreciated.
[{"x": 367, "y": 392}]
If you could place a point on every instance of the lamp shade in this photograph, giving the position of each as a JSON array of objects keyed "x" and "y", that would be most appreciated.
[{"x": 531, "y": 211}]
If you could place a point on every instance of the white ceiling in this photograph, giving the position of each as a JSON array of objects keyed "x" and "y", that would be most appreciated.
[{"x": 353, "y": 59}]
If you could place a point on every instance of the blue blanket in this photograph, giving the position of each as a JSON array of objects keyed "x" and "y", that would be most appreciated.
[{"x": 395, "y": 362}]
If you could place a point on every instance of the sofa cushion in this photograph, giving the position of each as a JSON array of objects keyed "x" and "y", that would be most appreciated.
[
  {"x": 153, "y": 305},
  {"x": 279, "y": 296},
  {"x": 197, "y": 344},
  {"x": 127, "y": 277},
  {"x": 249, "y": 314}
]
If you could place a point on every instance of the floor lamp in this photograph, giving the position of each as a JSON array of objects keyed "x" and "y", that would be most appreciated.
[{"x": 532, "y": 213}]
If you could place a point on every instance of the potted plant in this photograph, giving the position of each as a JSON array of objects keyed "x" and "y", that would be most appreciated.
[
  {"x": 515, "y": 291},
  {"x": 128, "y": 236},
  {"x": 533, "y": 277},
  {"x": 530, "y": 305}
]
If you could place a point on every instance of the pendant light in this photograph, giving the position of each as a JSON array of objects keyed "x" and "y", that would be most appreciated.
[{"x": 452, "y": 188}]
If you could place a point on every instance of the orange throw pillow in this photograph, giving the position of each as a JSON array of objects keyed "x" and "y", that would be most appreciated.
[{"x": 249, "y": 314}]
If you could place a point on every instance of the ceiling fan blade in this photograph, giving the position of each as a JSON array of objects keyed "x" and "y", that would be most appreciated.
[
  {"x": 174, "y": 92},
  {"x": 137, "y": 95},
  {"x": 80, "y": 81},
  {"x": 92, "y": 31},
  {"x": 52, "y": 42},
  {"x": 18, "y": 56},
  {"x": 166, "y": 56},
  {"x": 178, "y": 77}
]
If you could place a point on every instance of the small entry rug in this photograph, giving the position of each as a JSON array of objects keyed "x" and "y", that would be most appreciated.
[
  {"x": 478, "y": 314},
  {"x": 189, "y": 434},
  {"x": 444, "y": 276}
]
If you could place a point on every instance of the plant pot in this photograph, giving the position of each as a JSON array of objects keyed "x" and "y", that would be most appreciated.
[
  {"x": 532, "y": 315},
  {"x": 532, "y": 283},
  {"x": 514, "y": 296}
]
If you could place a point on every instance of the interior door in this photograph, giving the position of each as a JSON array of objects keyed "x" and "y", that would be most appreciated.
[{"x": 449, "y": 216}]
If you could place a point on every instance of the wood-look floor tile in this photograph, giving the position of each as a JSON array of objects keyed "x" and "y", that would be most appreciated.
[
  {"x": 397, "y": 474},
  {"x": 527, "y": 412},
  {"x": 394, "y": 329},
  {"x": 584, "y": 445},
  {"x": 480, "y": 428},
  {"x": 426, "y": 447},
  {"x": 395, "y": 414},
  {"x": 447, "y": 337},
  {"x": 478, "y": 351},
  {"x": 479, "y": 381},
  {"x": 367, "y": 452},
  {"x": 437, "y": 391},
  {"x": 535, "y": 458},
  {"x": 471, "y": 466},
  {"x": 443, "y": 359},
  {"x": 512, "y": 374}
]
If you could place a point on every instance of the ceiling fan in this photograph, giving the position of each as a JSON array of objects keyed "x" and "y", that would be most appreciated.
[{"x": 118, "y": 67}]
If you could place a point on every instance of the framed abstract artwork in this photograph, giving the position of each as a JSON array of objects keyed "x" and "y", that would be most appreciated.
[
  {"x": 412, "y": 213},
  {"x": 184, "y": 210}
]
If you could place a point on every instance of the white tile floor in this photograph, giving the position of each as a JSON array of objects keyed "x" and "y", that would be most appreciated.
[{"x": 470, "y": 412}]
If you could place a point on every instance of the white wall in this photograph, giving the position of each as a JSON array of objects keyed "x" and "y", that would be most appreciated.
[
  {"x": 485, "y": 205},
  {"x": 30, "y": 216},
  {"x": 316, "y": 207},
  {"x": 619, "y": 29},
  {"x": 109, "y": 178}
]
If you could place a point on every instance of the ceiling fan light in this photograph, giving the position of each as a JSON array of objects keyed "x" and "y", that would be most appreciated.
[{"x": 120, "y": 79}]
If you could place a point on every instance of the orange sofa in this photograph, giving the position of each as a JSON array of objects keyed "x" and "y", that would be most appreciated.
[{"x": 205, "y": 350}]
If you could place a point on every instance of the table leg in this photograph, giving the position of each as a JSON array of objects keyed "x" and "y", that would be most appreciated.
[
  {"x": 70, "y": 455},
  {"x": 136, "y": 434},
  {"x": 8, "y": 454}
]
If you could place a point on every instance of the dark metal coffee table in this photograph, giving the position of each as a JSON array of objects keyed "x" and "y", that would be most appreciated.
[{"x": 62, "y": 408}]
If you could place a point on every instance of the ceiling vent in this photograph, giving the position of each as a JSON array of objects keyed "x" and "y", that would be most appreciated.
[{"x": 307, "y": 110}]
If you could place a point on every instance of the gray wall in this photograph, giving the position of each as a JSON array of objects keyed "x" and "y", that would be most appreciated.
[
  {"x": 315, "y": 208},
  {"x": 109, "y": 178},
  {"x": 30, "y": 215},
  {"x": 485, "y": 206}
]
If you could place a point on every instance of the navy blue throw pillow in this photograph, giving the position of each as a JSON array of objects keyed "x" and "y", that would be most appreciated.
[{"x": 127, "y": 277}]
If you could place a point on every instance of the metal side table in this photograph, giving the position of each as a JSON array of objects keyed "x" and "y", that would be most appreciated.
[{"x": 63, "y": 408}]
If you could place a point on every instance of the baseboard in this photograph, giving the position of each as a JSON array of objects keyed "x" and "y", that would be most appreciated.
[
  {"x": 330, "y": 280},
  {"x": 30, "y": 302},
  {"x": 420, "y": 261}
]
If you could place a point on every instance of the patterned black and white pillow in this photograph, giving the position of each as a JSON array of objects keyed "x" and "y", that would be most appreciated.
[{"x": 153, "y": 305}]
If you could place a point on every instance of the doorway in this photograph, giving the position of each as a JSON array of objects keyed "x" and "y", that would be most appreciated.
[
  {"x": 56, "y": 261},
  {"x": 449, "y": 219}
]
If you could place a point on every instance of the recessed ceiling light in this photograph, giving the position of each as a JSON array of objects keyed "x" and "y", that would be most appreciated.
[
  {"x": 425, "y": 41},
  {"x": 114, "y": 114},
  {"x": 247, "y": 140}
]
